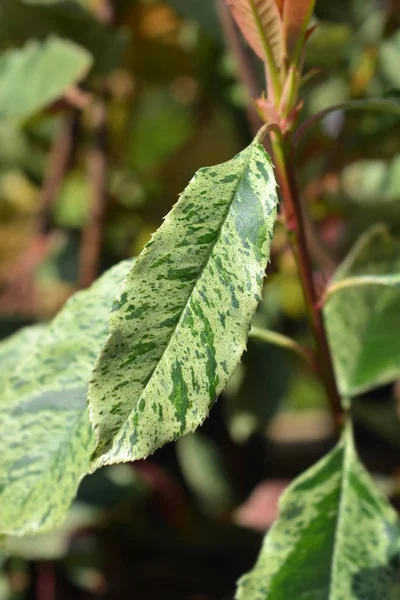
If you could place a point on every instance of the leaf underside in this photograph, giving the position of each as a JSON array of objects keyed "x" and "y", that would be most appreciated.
[
  {"x": 181, "y": 322},
  {"x": 45, "y": 435},
  {"x": 363, "y": 320},
  {"x": 336, "y": 538},
  {"x": 29, "y": 81},
  {"x": 261, "y": 25}
]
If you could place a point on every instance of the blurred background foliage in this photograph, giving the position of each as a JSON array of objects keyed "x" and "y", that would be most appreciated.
[{"x": 189, "y": 520}]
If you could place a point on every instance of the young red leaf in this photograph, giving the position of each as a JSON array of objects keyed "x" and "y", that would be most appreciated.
[
  {"x": 261, "y": 24},
  {"x": 296, "y": 18}
]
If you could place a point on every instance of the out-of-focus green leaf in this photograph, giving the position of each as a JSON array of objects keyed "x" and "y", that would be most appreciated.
[
  {"x": 336, "y": 537},
  {"x": 362, "y": 319},
  {"x": 54, "y": 544},
  {"x": 160, "y": 127},
  {"x": 14, "y": 349},
  {"x": 20, "y": 22},
  {"x": 367, "y": 182},
  {"x": 45, "y": 435},
  {"x": 205, "y": 471},
  {"x": 180, "y": 324},
  {"x": 389, "y": 57},
  {"x": 36, "y": 75},
  {"x": 264, "y": 382},
  {"x": 73, "y": 202},
  {"x": 203, "y": 13}
]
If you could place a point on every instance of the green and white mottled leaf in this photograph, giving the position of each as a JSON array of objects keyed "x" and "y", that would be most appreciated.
[
  {"x": 45, "y": 435},
  {"x": 37, "y": 74},
  {"x": 336, "y": 538},
  {"x": 362, "y": 314},
  {"x": 181, "y": 322},
  {"x": 13, "y": 349}
]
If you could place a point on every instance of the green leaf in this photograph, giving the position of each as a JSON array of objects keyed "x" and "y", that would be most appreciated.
[
  {"x": 389, "y": 56},
  {"x": 362, "y": 314},
  {"x": 36, "y": 75},
  {"x": 205, "y": 471},
  {"x": 45, "y": 435},
  {"x": 373, "y": 184},
  {"x": 336, "y": 537},
  {"x": 20, "y": 22},
  {"x": 181, "y": 322},
  {"x": 12, "y": 351},
  {"x": 203, "y": 13}
]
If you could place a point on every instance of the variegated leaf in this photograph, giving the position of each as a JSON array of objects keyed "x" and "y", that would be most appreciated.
[
  {"x": 336, "y": 538},
  {"x": 261, "y": 25},
  {"x": 362, "y": 314},
  {"x": 181, "y": 322},
  {"x": 45, "y": 435},
  {"x": 13, "y": 349}
]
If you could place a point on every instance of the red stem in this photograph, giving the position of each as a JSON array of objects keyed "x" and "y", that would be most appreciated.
[{"x": 295, "y": 224}]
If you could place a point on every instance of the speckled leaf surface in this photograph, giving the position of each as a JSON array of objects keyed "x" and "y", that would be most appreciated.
[
  {"x": 45, "y": 435},
  {"x": 336, "y": 538},
  {"x": 181, "y": 322},
  {"x": 362, "y": 314},
  {"x": 13, "y": 349}
]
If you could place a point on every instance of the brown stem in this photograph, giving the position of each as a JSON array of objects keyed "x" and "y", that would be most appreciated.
[
  {"x": 246, "y": 71},
  {"x": 295, "y": 224},
  {"x": 59, "y": 162},
  {"x": 97, "y": 170},
  {"x": 45, "y": 581},
  {"x": 18, "y": 294}
]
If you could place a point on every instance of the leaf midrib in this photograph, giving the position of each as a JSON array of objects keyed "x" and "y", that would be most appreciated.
[{"x": 187, "y": 303}]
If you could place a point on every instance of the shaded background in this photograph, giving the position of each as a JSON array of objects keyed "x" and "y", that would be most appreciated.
[{"x": 187, "y": 522}]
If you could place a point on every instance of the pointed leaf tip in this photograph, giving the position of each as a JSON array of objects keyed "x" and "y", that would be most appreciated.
[{"x": 181, "y": 322}]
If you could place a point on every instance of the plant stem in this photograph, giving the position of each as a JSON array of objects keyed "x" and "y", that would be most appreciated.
[
  {"x": 294, "y": 222},
  {"x": 283, "y": 341}
]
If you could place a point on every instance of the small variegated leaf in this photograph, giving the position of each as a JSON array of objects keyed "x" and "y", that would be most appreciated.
[
  {"x": 336, "y": 537},
  {"x": 45, "y": 435},
  {"x": 13, "y": 349},
  {"x": 261, "y": 25},
  {"x": 181, "y": 322},
  {"x": 362, "y": 314}
]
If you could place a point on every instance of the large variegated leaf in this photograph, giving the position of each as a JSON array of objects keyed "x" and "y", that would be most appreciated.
[
  {"x": 180, "y": 325},
  {"x": 336, "y": 538},
  {"x": 45, "y": 435},
  {"x": 362, "y": 314},
  {"x": 36, "y": 75},
  {"x": 261, "y": 25},
  {"x": 13, "y": 349},
  {"x": 296, "y": 18}
]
